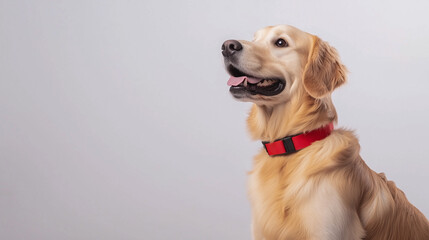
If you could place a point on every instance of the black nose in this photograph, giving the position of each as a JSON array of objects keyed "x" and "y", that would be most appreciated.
[{"x": 230, "y": 47}]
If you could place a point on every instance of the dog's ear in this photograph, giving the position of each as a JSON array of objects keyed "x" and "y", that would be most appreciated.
[{"x": 323, "y": 71}]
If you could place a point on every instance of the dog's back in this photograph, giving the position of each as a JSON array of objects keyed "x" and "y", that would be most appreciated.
[{"x": 400, "y": 220}]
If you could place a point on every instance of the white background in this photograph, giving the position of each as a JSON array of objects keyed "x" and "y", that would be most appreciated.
[{"x": 116, "y": 121}]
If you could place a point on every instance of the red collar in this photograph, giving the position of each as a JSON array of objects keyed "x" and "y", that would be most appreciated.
[{"x": 291, "y": 144}]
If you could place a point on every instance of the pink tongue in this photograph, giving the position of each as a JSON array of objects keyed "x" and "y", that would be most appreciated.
[{"x": 235, "y": 81}]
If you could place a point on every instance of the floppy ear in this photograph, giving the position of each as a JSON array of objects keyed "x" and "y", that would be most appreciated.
[{"x": 324, "y": 72}]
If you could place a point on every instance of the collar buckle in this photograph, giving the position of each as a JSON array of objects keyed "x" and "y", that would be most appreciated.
[{"x": 289, "y": 146}]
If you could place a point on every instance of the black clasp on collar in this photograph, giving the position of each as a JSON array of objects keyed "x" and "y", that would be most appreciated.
[{"x": 289, "y": 146}]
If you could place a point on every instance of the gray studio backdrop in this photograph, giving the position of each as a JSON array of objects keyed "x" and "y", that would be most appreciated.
[{"x": 116, "y": 121}]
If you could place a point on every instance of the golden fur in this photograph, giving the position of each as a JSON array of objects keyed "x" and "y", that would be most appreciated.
[{"x": 325, "y": 191}]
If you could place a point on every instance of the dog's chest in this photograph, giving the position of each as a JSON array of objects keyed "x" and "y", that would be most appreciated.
[
  {"x": 289, "y": 204},
  {"x": 272, "y": 192}
]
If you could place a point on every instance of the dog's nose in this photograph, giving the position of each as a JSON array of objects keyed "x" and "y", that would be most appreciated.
[{"x": 230, "y": 47}]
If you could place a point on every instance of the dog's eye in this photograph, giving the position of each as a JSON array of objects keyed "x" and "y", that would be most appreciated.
[{"x": 281, "y": 43}]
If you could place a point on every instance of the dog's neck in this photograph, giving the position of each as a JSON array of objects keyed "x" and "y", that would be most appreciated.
[{"x": 300, "y": 114}]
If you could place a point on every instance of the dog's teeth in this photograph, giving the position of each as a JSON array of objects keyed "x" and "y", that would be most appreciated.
[
  {"x": 245, "y": 82},
  {"x": 264, "y": 83}
]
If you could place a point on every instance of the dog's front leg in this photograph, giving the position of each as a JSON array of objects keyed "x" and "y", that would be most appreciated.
[{"x": 326, "y": 216}]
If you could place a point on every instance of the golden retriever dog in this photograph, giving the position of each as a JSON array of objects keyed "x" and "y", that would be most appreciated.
[{"x": 309, "y": 182}]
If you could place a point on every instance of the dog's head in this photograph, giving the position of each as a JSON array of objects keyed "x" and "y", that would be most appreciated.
[{"x": 280, "y": 61}]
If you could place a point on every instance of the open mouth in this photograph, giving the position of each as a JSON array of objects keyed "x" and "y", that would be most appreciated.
[{"x": 243, "y": 84}]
